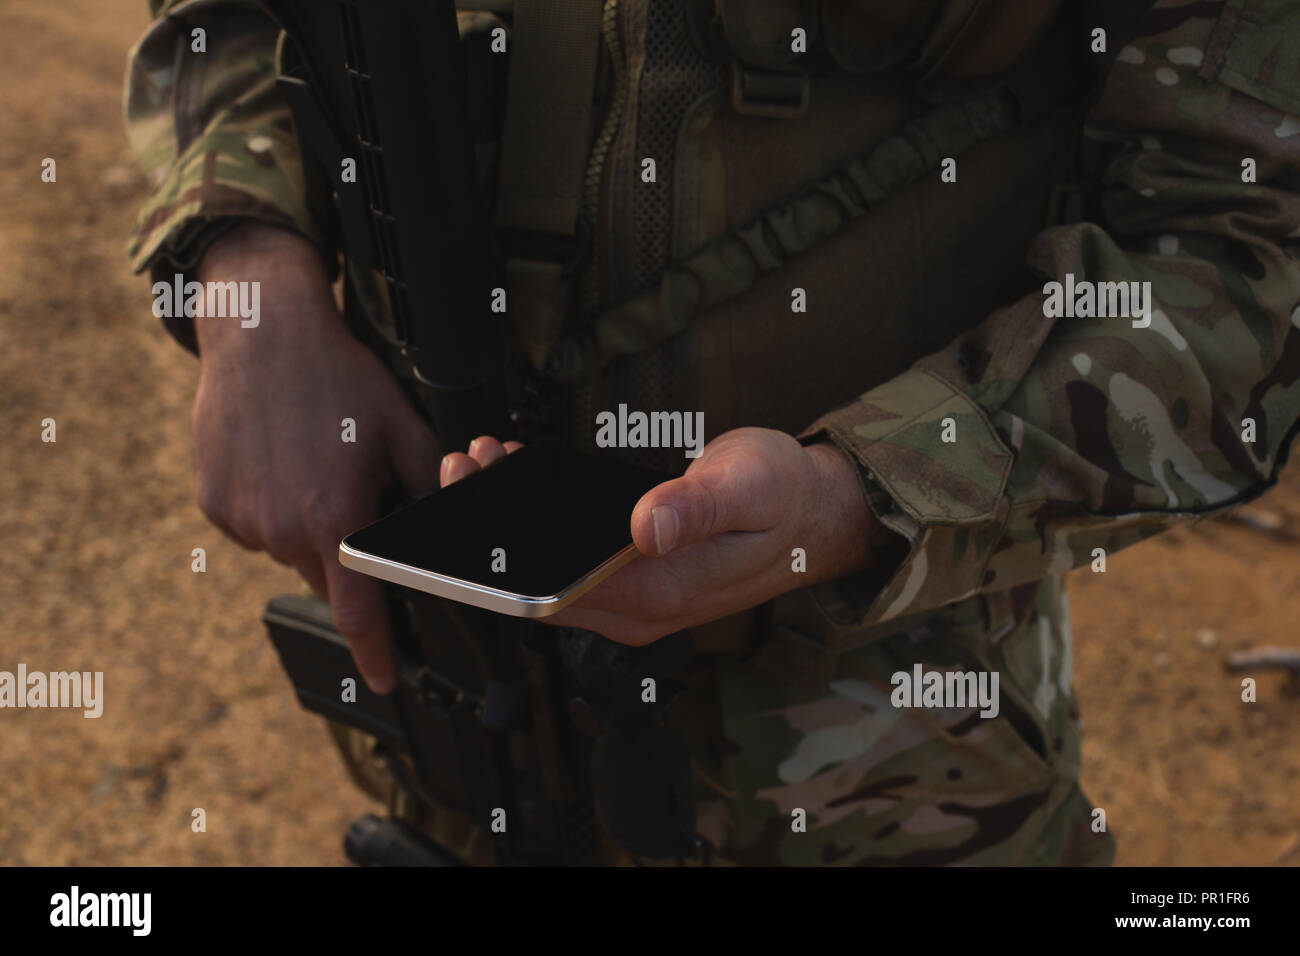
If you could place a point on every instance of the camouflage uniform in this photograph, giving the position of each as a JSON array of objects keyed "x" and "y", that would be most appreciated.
[{"x": 1072, "y": 434}]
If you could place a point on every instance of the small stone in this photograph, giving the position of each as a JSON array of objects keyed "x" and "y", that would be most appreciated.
[
  {"x": 118, "y": 177},
  {"x": 106, "y": 782},
  {"x": 1259, "y": 518},
  {"x": 1207, "y": 639}
]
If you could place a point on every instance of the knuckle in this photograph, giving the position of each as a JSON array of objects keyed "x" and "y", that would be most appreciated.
[
  {"x": 356, "y": 622},
  {"x": 326, "y": 520},
  {"x": 703, "y": 505},
  {"x": 214, "y": 502},
  {"x": 669, "y": 593},
  {"x": 281, "y": 536}
]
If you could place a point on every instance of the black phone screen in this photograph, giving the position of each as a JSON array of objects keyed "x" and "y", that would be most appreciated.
[{"x": 556, "y": 515}]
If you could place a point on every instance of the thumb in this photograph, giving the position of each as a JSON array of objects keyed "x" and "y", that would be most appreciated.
[{"x": 696, "y": 506}]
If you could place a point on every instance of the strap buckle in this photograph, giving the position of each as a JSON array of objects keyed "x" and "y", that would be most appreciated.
[
  {"x": 1072, "y": 202},
  {"x": 571, "y": 253},
  {"x": 768, "y": 92}
]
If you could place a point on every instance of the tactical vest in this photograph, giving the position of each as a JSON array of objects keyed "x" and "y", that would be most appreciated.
[{"x": 796, "y": 145}]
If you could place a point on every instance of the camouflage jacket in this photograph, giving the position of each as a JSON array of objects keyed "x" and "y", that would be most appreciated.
[{"x": 1005, "y": 443}]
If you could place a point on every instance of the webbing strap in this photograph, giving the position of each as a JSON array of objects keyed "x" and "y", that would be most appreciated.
[
  {"x": 537, "y": 304},
  {"x": 730, "y": 264},
  {"x": 554, "y": 46}
]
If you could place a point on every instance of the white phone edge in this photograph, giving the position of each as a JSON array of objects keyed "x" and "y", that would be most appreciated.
[{"x": 466, "y": 592}]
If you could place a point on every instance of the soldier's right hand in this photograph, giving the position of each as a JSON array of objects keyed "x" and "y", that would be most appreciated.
[{"x": 272, "y": 468}]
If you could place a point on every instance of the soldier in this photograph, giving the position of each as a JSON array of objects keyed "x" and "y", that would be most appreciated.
[{"x": 828, "y": 227}]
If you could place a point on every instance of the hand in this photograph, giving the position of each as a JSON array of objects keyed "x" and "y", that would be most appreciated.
[
  {"x": 719, "y": 539},
  {"x": 271, "y": 468}
]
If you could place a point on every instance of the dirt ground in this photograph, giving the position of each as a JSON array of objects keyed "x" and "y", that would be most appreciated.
[{"x": 96, "y": 532}]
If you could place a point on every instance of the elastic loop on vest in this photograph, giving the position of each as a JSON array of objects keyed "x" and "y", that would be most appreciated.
[{"x": 730, "y": 264}]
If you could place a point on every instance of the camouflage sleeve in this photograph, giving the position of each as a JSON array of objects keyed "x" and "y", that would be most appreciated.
[
  {"x": 204, "y": 120},
  {"x": 1067, "y": 435}
]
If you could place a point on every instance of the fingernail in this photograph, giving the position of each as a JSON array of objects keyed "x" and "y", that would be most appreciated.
[{"x": 666, "y": 525}]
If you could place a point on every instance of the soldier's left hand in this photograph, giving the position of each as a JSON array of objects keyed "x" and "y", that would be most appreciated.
[{"x": 721, "y": 538}]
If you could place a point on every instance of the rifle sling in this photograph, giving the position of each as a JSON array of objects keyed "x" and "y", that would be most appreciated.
[{"x": 730, "y": 264}]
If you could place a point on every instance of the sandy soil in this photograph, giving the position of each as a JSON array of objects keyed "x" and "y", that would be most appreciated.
[{"x": 97, "y": 530}]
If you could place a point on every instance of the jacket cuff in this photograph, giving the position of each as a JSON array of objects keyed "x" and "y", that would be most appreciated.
[
  {"x": 934, "y": 470},
  {"x": 193, "y": 206},
  {"x": 204, "y": 186},
  {"x": 183, "y": 259}
]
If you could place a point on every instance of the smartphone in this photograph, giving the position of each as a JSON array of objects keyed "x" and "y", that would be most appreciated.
[{"x": 525, "y": 536}]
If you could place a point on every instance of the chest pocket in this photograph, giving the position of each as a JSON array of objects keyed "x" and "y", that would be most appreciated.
[
  {"x": 942, "y": 41},
  {"x": 1255, "y": 48}
]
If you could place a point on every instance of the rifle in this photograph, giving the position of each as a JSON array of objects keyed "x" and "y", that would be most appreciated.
[
  {"x": 375, "y": 68},
  {"x": 419, "y": 731},
  {"x": 384, "y": 82}
]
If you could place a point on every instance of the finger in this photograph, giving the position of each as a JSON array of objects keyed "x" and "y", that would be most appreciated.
[
  {"x": 310, "y": 570},
  {"x": 651, "y": 598},
  {"x": 357, "y": 603},
  {"x": 611, "y": 625},
  {"x": 486, "y": 450},
  {"x": 247, "y": 542},
  {"x": 513, "y": 446},
  {"x": 216, "y": 508},
  {"x": 697, "y": 506},
  {"x": 302, "y": 557},
  {"x": 456, "y": 466},
  {"x": 413, "y": 454}
]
